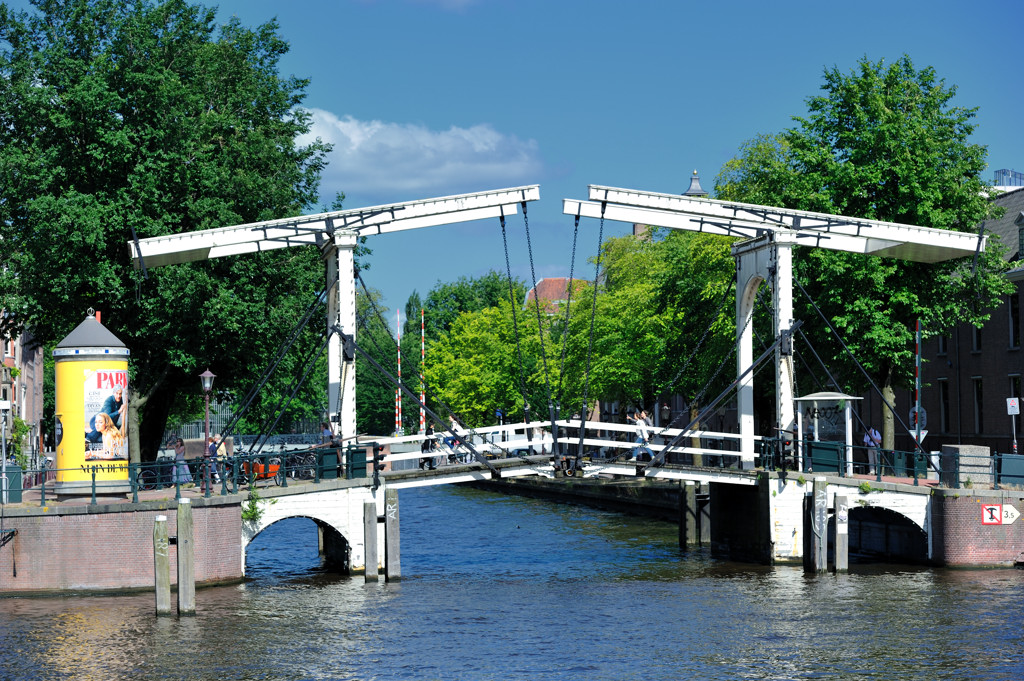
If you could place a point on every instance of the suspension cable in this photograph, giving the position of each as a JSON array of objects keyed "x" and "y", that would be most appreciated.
[
  {"x": 590, "y": 341},
  {"x": 540, "y": 325},
  {"x": 863, "y": 371},
  {"x": 272, "y": 367},
  {"x": 568, "y": 304},
  {"x": 284, "y": 402},
  {"x": 515, "y": 327},
  {"x": 427, "y": 390},
  {"x": 707, "y": 331}
]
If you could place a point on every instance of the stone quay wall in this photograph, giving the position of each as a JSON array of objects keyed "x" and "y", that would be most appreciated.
[{"x": 109, "y": 547}]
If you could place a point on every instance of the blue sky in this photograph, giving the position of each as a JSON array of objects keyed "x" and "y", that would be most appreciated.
[{"x": 426, "y": 98}]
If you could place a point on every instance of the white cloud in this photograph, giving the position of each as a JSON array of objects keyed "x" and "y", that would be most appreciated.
[{"x": 394, "y": 161}]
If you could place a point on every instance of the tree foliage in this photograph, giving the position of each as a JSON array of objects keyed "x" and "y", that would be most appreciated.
[
  {"x": 146, "y": 118},
  {"x": 885, "y": 143},
  {"x": 446, "y": 301}
]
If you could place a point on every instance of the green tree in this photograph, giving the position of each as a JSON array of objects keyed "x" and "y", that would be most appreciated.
[
  {"x": 375, "y": 393},
  {"x": 885, "y": 143},
  {"x": 629, "y": 333},
  {"x": 137, "y": 117},
  {"x": 447, "y": 301},
  {"x": 474, "y": 368}
]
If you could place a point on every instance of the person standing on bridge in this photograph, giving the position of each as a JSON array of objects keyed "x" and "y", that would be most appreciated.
[
  {"x": 872, "y": 440},
  {"x": 642, "y": 436},
  {"x": 427, "y": 447}
]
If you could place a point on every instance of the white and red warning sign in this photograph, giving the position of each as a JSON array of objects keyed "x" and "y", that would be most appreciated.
[{"x": 998, "y": 514}]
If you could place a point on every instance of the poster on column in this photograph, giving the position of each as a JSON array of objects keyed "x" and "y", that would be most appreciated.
[{"x": 106, "y": 403}]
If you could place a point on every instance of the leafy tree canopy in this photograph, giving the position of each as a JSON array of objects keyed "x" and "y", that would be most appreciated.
[
  {"x": 883, "y": 142},
  {"x": 446, "y": 301},
  {"x": 138, "y": 117}
]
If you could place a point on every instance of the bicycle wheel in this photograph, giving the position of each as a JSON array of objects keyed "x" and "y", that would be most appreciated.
[
  {"x": 307, "y": 467},
  {"x": 146, "y": 479},
  {"x": 275, "y": 465}
]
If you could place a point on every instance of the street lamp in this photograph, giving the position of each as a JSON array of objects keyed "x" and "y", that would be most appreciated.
[{"x": 207, "y": 379}]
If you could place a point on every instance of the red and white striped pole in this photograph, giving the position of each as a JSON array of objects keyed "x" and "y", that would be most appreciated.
[
  {"x": 398, "y": 392},
  {"x": 423, "y": 386}
]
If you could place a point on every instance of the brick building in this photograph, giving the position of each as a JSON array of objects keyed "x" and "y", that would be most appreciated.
[{"x": 967, "y": 374}]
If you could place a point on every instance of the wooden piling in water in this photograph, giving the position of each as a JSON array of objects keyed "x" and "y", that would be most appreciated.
[
  {"x": 186, "y": 559},
  {"x": 688, "y": 533},
  {"x": 816, "y": 527},
  {"x": 842, "y": 534},
  {"x": 370, "y": 541},
  {"x": 161, "y": 566},
  {"x": 392, "y": 542}
]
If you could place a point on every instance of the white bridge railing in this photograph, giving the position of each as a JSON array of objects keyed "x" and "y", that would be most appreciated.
[{"x": 512, "y": 439}]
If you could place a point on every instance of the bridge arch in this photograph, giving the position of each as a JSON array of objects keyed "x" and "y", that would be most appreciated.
[
  {"x": 879, "y": 533},
  {"x": 331, "y": 543},
  {"x": 338, "y": 515}
]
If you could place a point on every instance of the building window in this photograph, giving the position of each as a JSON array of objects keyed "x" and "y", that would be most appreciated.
[
  {"x": 975, "y": 339},
  {"x": 943, "y": 405},
  {"x": 943, "y": 344},
  {"x": 979, "y": 406},
  {"x": 1014, "y": 307}
]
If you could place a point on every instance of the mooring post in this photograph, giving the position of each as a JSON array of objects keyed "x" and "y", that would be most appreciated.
[
  {"x": 392, "y": 543},
  {"x": 688, "y": 514},
  {"x": 186, "y": 560},
  {"x": 819, "y": 526},
  {"x": 704, "y": 513},
  {"x": 161, "y": 566},
  {"x": 370, "y": 541},
  {"x": 842, "y": 535}
]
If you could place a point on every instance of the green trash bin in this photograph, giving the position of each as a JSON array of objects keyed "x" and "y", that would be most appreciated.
[
  {"x": 14, "y": 483},
  {"x": 355, "y": 463},
  {"x": 899, "y": 464},
  {"x": 327, "y": 460}
]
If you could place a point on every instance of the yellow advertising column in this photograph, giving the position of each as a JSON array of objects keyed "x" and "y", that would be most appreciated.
[{"x": 91, "y": 372}]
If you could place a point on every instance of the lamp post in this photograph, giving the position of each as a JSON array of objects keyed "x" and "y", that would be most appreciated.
[{"x": 207, "y": 380}]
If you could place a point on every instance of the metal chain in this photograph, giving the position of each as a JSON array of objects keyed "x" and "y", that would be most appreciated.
[
  {"x": 718, "y": 370},
  {"x": 568, "y": 304},
  {"x": 363, "y": 323},
  {"x": 593, "y": 317},
  {"x": 707, "y": 331},
  {"x": 515, "y": 322},
  {"x": 540, "y": 325}
]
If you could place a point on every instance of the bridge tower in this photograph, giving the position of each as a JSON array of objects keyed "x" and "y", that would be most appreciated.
[
  {"x": 765, "y": 253},
  {"x": 336, "y": 234}
]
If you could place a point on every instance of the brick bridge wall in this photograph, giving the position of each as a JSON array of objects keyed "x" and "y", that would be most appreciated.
[{"x": 110, "y": 547}]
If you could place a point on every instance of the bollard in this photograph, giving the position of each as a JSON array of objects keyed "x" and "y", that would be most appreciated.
[
  {"x": 392, "y": 543},
  {"x": 186, "y": 560},
  {"x": 161, "y": 566},
  {"x": 370, "y": 540},
  {"x": 688, "y": 515},
  {"x": 842, "y": 534},
  {"x": 819, "y": 525}
]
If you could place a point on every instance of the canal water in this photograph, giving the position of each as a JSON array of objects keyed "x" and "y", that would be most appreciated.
[{"x": 499, "y": 587}]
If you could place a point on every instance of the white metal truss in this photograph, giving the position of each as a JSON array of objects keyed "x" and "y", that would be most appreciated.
[
  {"x": 318, "y": 229},
  {"x": 336, "y": 234},
  {"x": 764, "y": 253},
  {"x": 744, "y": 220}
]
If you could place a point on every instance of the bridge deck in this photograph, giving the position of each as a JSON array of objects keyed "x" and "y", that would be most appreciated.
[{"x": 452, "y": 473}]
